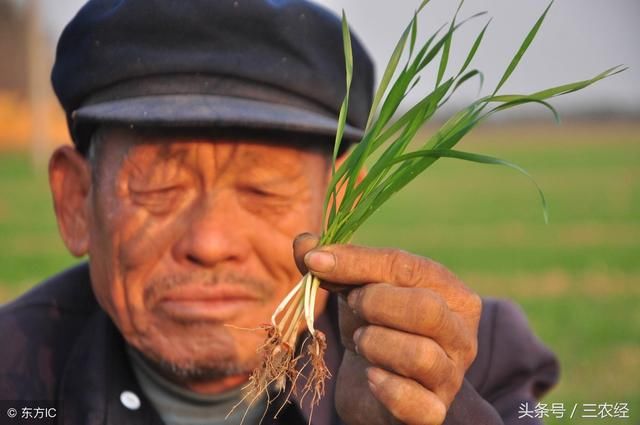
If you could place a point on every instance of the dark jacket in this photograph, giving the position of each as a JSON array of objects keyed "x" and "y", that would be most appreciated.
[{"x": 56, "y": 343}]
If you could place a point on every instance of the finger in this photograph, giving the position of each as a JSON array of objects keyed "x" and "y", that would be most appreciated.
[
  {"x": 354, "y": 401},
  {"x": 406, "y": 399},
  {"x": 355, "y": 265},
  {"x": 348, "y": 323},
  {"x": 412, "y": 356},
  {"x": 302, "y": 244},
  {"x": 334, "y": 287},
  {"x": 419, "y": 311}
]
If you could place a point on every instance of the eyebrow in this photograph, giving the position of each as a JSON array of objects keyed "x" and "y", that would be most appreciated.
[{"x": 284, "y": 172}]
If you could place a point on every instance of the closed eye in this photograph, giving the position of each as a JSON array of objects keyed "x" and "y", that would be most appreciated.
[
  {"x": 264, "y": 201},
  {"x": 258, "y": 191},
  {"x": 157, "y": 200}
]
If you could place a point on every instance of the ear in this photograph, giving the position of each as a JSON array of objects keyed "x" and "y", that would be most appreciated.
[
  {"x": 70, "y": 183},
  {"x": 361, "y": 174}
]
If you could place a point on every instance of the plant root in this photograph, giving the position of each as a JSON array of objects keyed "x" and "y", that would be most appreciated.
[
  {"x": 315, "y": 383},
  {"x": 278, "y": 364}
]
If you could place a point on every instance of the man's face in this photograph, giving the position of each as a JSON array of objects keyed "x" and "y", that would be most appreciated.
[{"x": 190, "y": 243}]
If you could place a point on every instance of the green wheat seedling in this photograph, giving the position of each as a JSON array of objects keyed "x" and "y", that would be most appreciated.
[{"x": 395, "y": 165}]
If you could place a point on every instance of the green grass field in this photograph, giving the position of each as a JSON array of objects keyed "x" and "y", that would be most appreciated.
[{"x": 577, "y": 278}]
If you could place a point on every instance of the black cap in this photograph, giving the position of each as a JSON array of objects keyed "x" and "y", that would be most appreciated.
[{"x": 256, "y": 64}]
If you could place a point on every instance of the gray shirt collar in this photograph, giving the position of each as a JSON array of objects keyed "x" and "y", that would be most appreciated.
[{"x": 180, "y": 406}]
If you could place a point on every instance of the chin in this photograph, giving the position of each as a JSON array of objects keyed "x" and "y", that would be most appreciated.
[
  {"x": 202, "y": 351},
  {"x": 203, "y": 370}
]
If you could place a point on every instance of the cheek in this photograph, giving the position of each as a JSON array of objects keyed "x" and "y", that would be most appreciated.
[
  {"x": 273, "y": 241},
  {"x": 126, "y": 245}
]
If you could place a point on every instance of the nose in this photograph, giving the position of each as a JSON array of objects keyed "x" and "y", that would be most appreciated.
[{"x": 214, "y": 233}]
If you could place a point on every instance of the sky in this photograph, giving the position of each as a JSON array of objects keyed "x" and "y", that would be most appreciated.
[{"x": 579, "y": 39}]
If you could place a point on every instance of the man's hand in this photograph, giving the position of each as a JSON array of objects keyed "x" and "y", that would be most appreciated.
[{"x": 409, "y": 327}]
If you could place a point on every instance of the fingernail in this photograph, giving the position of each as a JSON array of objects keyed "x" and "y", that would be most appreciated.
[
  {"x": 305, "y": 235},
  {"x": 352, "y": 298},
  {"x": 320, "y": 261},
  {"x": 375, "y": 377},
  {"x": 356, "y": 337}
]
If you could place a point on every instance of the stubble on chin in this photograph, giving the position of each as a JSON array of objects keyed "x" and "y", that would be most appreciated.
[
  {"x": 197, "y": 351},
  {"x": 192, "y": 371},
  {"x": 198, "y": 367}
]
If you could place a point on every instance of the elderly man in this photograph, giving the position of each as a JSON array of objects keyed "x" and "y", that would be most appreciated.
[{"x": 202, "y": 133}]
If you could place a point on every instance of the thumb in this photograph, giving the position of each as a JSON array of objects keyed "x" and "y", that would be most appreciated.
[{"x": 302, "y": 244}]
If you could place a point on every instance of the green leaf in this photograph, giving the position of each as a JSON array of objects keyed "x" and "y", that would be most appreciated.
[
  {"x": 342, "y": 116},
  {"x": 394, "y": 167},
  {"x": 390, "y": 70},
  {"x": 344, "y": 108},
  {"x": 562, "y": 89},
  {"x": 523, "y": 48},
  {"x": 422, "y": 5},
  {"x": 474, "y": 49},
  {"x": 444, "y": 59},
  {"x": 521, "y": 101},
  {"x": 481, "y": 159},
  {"x": 462, "y": 80},
  {"x": 414, "y": 34}
]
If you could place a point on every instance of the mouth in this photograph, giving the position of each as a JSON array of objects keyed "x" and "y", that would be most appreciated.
[{"x": 215, "y": 304}]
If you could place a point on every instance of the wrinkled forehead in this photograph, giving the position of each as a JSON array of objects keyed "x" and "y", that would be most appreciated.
[{"x": 243, "y": 150}]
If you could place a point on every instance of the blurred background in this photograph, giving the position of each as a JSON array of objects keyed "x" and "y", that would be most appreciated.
[{"x": 577, "y": 278}]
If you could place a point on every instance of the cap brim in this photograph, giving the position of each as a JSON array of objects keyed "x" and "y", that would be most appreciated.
[{"x": 210, "y": 111}]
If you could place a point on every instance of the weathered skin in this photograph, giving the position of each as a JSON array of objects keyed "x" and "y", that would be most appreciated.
[
  {"x": 410, "y": 330},
  {"x": 171, "y": 221},
  {"x": 171, "y": 215}
]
